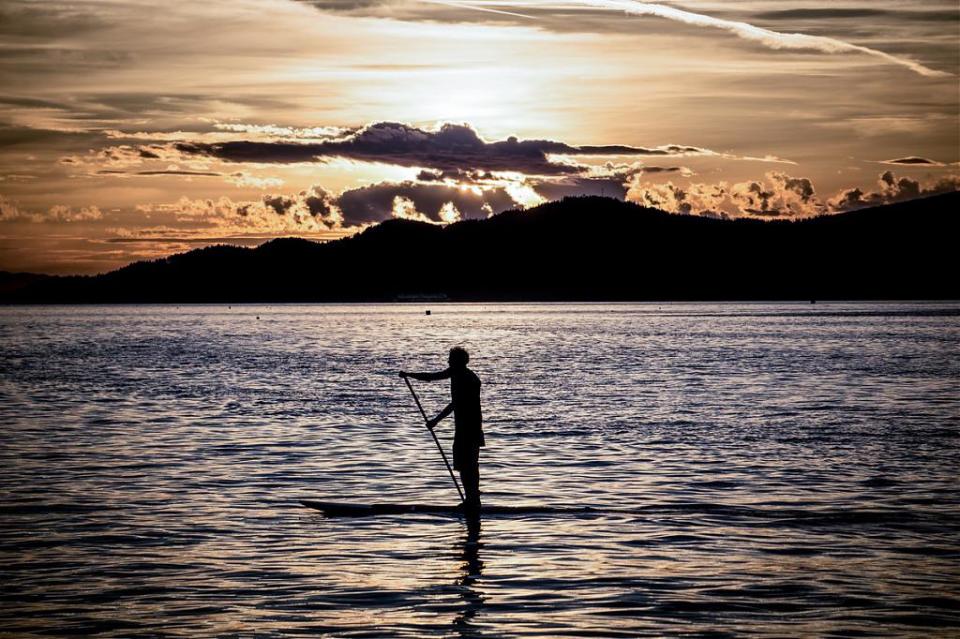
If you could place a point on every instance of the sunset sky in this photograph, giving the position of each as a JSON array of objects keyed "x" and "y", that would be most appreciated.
[{"x": 131, "y": 130}]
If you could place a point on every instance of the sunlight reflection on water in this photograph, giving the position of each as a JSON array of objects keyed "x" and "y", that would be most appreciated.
[{"x": 760, "y": 469}]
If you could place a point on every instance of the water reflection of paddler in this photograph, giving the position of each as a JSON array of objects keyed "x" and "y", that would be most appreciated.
[{"x": 470, "y": 568}]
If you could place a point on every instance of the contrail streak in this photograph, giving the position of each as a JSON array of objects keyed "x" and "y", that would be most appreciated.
[
  {"x": 475, "y": 7},
  {"x": 747, "y": 31},
  {"x": 772, "y": 39}
]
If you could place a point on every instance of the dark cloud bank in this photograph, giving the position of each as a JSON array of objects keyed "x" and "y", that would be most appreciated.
[
  {"x": 463, "y": 176},
  {"x": 451, "y": 147},
  {"x": 778, "y": 196}
]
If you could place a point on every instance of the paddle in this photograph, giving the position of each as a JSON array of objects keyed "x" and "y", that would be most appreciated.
[{"x": 426, "y": 420}]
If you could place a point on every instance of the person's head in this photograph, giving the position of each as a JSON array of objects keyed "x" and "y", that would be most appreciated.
[{"x": 458, "y": 357}]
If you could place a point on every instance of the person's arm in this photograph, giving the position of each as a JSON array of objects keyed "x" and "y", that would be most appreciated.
[
  {"x": 427, "y": 377},
  {"x": 431, "y": 424}
]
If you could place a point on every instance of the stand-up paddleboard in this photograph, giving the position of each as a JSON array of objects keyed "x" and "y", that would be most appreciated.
[{"x": 342, "y": 509}]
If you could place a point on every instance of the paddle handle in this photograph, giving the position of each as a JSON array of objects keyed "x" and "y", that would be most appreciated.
[{"x": 435, "y": 440}]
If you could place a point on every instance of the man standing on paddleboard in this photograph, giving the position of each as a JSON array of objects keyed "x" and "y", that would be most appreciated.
[{"x": 465, "y": 406}]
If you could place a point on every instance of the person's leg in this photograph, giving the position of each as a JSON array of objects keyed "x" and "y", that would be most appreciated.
[
  {"x": 470, "y": 476},
  {"x": 471, "y": 485}
]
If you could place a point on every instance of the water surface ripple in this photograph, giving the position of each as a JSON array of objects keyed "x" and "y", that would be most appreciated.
[{"x": 766, "y": 470}]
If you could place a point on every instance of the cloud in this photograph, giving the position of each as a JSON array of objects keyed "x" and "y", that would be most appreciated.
[
  {"x": 570, "y": 186},
  {"x": 451, "y": 147},
  {"x": 901, "y": 127},
  {"x": 246, "y": 180},
  {"x": 182, "y": 172},
  {"x": 121, "y": 160},
  {"x": 211, "y": 131},
  {"x": 312, "y": 210},
  {"x": 114, "y": 157},
  {"x": 436, "y": 196},
  {"x": 346, "y": 6},
  {"x": 475, "y": 194},
  {"x": 821, "y": 14},
  {"x": 892, "y": 189},
  {"x": 273, "y": 131},
  {"x": 317, "y": 210},
  {"x": 857, "y": 12},
  {"x": 747, "y": 31},
  {"x": 778, "y": 195},
  {"x": 62, "y": 213},
  {"x": 8, "y": 210},
  {"x": 377, "y": 202},
  {"x": 913, "y": 160},
  {"x": 744, "y": 30},
  {"x": 395, "y": 10},
  {"x": 480, "y": 7},
  {"x": 404, "y": 208},
  {"x": 609, "y": 180},
  {"x": 11, "y": 212},
  {"x": 695, "y": 199}
]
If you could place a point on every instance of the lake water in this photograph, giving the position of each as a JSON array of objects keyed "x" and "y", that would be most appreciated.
[{"x": 757, "y": 469}]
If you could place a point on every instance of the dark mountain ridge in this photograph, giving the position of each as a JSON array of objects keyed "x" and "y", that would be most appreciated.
[{"x": 581, "y": 248}]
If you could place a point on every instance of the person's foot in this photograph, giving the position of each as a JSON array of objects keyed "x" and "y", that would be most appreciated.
[{"x": 470, "y": 506}]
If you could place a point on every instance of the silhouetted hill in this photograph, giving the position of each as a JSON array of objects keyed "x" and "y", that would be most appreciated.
[
  {"x": 585, "y": 248},
  {"x": 10, "y": 283}
]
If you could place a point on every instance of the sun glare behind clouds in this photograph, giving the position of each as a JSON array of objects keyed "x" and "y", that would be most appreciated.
[{"x": 118, "y": 107}]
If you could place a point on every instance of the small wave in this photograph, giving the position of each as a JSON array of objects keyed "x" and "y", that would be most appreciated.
[
  {"x": 879, "y": 482},
  {"x": 53, "y": 509}
]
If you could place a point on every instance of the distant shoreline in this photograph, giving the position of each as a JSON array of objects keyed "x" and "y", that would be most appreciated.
[
  {"x": 433, "y": 306},
  {"x": 627, "y": 253}
]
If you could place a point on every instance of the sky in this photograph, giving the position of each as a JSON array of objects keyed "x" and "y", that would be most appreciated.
[{"x": 132, "y": 130}]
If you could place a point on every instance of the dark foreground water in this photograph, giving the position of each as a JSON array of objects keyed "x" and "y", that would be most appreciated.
[{"x": 789, "y": 470}]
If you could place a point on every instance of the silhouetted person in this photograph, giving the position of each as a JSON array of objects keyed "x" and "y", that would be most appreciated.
[{"x": 465, "y": 406}]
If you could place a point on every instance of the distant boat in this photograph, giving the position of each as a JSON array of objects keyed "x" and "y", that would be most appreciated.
[{"x": 421, "y": 297}]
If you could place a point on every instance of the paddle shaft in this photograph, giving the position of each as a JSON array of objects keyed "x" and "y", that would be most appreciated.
[{"x": 436, "y": 441}]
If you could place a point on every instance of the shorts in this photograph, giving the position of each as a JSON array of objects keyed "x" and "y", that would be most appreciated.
[{"x": 465, "y": 456}]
